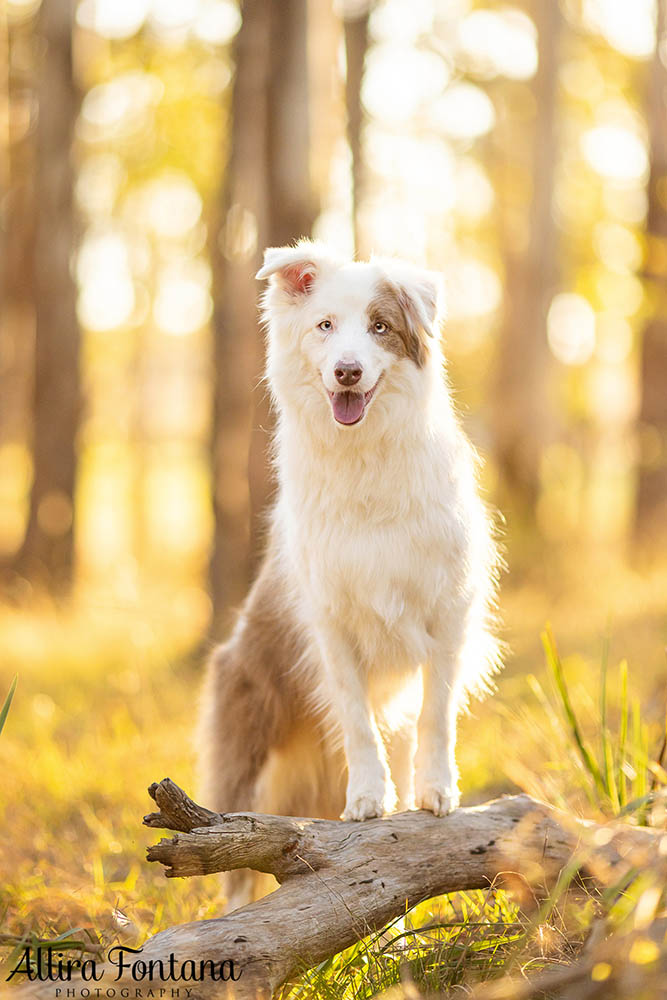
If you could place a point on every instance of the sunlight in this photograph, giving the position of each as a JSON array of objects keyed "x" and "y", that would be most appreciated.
[
  {"x": 179, "y": 520},
  {"x": 571, "y": 329},
  {"x": 120, "y": 106},
  {"x": 629, "y": 27},
  {"x": 98, "y": 184},
  {"x": 473, "y": 289},
  {"x": 170, "y": 205},
  {"x": 217, "y": 21},
  {"x": 399, "y": 80},
  {"x": 499, "y": 43},
  {"x": 474, "y": 191},
  {"x": 106, "y": 297},
  {"x": 388, "y": 19},
  {"x": 615, "y": 152},
  {"x": 614, "y": 338},
  {"x": 617, "y": 247},
  {"x": 183, "y": 303},
  {"x": 172, "y": 17},
  {"x": 212, "y": 21},
  {"x": 392, "y": 227},
  {"x": 463, "y": 112},
  {"x": 18, "y": 10},
  {"x": 104, "y": 531},
  {"x": 116, "y": 19},
  {"x": 423, "y": 167},
  {"x": 612, "y": 393}
]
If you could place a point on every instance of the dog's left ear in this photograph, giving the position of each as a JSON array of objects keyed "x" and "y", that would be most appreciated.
[
  {"x": 420, "y": 292},
  {"x": 294, "y": 269}
]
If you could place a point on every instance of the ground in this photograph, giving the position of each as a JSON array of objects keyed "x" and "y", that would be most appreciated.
[{"x": 106, "y": 703}]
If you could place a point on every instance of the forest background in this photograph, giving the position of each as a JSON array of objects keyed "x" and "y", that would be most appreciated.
[{"x": 149, "y": 151}]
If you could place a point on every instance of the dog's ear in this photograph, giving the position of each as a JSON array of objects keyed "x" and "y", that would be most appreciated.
[
  {"x": 420, "y": 292},
  {"x": 294, "y": 269}
]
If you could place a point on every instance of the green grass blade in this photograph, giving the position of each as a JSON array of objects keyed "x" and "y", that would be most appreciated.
[
  {"x": 636, "y": 804},
  {"x": 4, "y": 711},
  {"x": 609, "y": 772},
  {"x": 640, "y": 759},
  {"x": 556, "y": 667},
  {"x": 623, "y": 734},
  {"x": 604, "y": 664}
]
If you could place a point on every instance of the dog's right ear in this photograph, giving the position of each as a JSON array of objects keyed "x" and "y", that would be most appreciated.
[{"x": 293, "y": 269}]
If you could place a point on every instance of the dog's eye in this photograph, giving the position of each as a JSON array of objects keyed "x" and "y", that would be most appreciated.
[
  {"x": 326, "y": 326},
  {"x": 380, "y": 327}
]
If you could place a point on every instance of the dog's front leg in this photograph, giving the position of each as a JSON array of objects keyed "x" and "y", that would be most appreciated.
[
  {"x": 436, "y": 773},
  {"x": 368, "y": 783}
]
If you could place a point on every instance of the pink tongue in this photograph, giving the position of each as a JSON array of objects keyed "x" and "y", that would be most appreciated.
[{"x": 348, "y": 407}]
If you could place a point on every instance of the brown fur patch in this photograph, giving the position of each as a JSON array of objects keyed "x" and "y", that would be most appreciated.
[
  {"x": 260, "y": 741},
  {"x": 406, "y": 337}
]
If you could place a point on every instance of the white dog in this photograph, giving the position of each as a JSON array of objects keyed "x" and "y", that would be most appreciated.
[{"x": 380, "y": 566}]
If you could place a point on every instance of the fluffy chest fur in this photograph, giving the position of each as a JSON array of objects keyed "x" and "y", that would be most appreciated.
[{"x": 375, "y": 537}]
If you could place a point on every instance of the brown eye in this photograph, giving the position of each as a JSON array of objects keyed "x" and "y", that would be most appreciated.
[
  {"x": 380, "y": 327},
  {"x": 326, "y": 326}
]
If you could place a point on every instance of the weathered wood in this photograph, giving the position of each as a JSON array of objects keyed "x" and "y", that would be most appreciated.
[{"x": 340, "y": 881}]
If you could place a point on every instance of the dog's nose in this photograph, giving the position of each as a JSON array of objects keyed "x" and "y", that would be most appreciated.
[{"x": 348, "y": 372}]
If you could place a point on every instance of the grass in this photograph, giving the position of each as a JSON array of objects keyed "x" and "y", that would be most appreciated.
[
  {"x": 105, "y": 705},
  {"x": 434, "y": 946},
  {"x": 4, "y": 711}
]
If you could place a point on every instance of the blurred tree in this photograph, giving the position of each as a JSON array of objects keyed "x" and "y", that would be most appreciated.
[
  {"x": 652, "y": 490},
  {"x": 522, "y": 405},
  {"x": 291, "y": 205},
  {"x": 47, "y": 551},
  {"x": 355, "y": 23},
  {"x": 17, "y": 228},
  {"x": 5, "y": 144},
  {"x": 266, "y": 200},
  {"x": 234, "y": 252},
  {"x": 4, "y": 125}
]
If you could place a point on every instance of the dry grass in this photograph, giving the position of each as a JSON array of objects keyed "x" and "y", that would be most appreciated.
[{"x": 106, "y": 703}]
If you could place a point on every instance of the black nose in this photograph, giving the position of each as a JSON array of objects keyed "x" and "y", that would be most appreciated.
[{"x": 347, "y": 373}]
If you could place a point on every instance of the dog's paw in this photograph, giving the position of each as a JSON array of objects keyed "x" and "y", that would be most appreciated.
[
  {"x": 439, "y": 797},
  {"x": 363, "y": 806}
]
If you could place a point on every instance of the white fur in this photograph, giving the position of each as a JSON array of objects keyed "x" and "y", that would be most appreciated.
[{"x": 384, "y": 542}]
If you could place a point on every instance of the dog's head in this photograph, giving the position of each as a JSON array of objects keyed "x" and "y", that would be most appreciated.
[{"x": 352, "y": 330}]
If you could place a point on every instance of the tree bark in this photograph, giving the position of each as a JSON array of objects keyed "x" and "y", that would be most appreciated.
[
  {"x": 292, "y": 210},
  {"x": 355, "y": 25},
  {"x": 17, "y": 233},
  {"x": 47, "y": 553},
  {"x": 235, "y": 248},
  {"x": 341, "y": 881},
  {"x": 651, "y": 512},
  {"x": 267, "y": 201},
  {"x": 522, "y": 404}
]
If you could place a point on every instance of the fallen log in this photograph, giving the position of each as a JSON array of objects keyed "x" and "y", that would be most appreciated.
[{"x": 340, "y": 880}]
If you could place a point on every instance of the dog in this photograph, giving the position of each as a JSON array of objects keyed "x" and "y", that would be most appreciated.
[{"x": 371, "y": 619}]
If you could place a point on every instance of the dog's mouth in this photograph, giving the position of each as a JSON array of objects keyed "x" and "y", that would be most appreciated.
[{"x": 349, "y": 407}]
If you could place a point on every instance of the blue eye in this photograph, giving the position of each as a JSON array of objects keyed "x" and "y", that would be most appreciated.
[{"x": 326, "y": 326}]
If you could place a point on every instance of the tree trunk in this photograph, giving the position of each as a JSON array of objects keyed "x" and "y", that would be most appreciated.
[
  {"x": 522, "y": 390},
  {"x": 356, "y": 45},
  {"x": 651, "y": 511},
  {"x": 342, "y": 881},
  {"x": 235, "y": 251},
  {"x": 292, "y": 211},
  {"x": 17, "y": 233},
  {"x": 267, "y": 201},
  {"x": 47, "y": 553}
]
